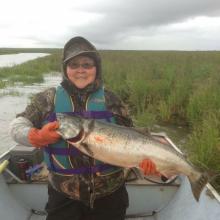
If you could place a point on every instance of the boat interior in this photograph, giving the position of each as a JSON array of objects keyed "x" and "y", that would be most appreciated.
[{"x": 150, "y": 198}]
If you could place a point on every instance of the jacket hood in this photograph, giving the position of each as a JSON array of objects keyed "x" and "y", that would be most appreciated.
[{"x": 75, "y": 47}]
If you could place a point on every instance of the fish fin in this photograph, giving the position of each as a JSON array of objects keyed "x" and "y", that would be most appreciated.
[
  {"x": 198, "y": 185},
  {"x": 90, "y": 127},
  {"x": 132, "y": 174},
  {"x": 138, "y": 172},
  {"x": 87, "y": 149},
  {"x": 142, "y": 130}
]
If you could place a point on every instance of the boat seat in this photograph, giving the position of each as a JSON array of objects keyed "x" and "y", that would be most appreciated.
[
  {"x": 142, "y": 218},
  {"x": 38, "y": 217}
]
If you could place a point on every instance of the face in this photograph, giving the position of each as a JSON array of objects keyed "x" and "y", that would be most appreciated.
[{"x": 81, "y": 71}]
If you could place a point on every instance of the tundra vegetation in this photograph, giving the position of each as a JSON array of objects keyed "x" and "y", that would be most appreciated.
[{"x": 159, "y": 87}]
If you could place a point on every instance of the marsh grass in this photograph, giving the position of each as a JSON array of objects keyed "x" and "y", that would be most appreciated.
[
  {"x": 204, "y": 146},
  {"x": 170, "y": 87},
  {"x": 10, "y": 93},
  {"x": 31, "y": 71},
  {"x": 204, "y": 140},
  {"x": 28, "y": 50}
]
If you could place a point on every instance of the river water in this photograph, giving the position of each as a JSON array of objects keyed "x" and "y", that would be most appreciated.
[
  {"x": 12, "y": 104},
  {"x": 9, "y": 60},
  {"x": 14, "y": 99}
]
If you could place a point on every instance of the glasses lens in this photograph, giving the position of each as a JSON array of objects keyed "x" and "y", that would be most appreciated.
[
  {"x": 87, "y": 65},
  {"x": 73, "y": 65}
]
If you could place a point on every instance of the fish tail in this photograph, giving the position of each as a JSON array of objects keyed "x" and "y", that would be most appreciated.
[{"x": 198, "y": 185}]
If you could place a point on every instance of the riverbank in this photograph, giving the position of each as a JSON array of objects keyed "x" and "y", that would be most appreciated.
[
  {"x": 10, "y": 60},
  {"x": 13, "y": 100},
  {"x": 29, "y": 72}
]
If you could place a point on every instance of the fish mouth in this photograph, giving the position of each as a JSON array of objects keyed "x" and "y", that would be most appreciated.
[{"x": 78, "y": 138}]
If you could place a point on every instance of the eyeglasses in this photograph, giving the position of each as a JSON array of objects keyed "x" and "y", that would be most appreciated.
[{"x": 87, "y": 66}]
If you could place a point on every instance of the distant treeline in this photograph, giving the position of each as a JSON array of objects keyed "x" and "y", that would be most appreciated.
[{"x": 28, "y": 50}]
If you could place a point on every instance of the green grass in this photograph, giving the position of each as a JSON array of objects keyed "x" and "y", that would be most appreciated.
[
  {"x": 10, "y": 93},
  {"x": 171, "y": 87},
  {"x": 28, "y": 50},
  {"x": 31, "y": 71}
]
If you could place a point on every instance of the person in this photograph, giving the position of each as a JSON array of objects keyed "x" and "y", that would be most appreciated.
[{"x": 79, "y": 187}]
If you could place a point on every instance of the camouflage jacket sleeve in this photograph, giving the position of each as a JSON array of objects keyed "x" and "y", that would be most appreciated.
[
  {"x": 119, "y": 109},
  {"x": 41, "y": 105}
]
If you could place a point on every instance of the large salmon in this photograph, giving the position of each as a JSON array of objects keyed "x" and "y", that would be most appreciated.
[{"x": 126, "y": 147}]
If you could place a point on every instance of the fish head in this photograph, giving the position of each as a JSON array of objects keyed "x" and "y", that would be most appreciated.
[{"x": 69, "y": 126}]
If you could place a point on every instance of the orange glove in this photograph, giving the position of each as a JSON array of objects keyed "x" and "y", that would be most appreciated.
[
  {"x": 148, "y": 167},
  {"x": 44, "y": 136}
]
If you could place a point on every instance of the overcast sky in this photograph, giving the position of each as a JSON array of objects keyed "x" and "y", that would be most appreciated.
[{"x": 112, "y": 24}]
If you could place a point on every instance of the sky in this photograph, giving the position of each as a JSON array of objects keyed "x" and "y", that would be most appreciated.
[{"x": 112, "y": 24}]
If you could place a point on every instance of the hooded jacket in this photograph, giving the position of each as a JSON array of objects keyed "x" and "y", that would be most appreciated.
[{"x": 83, "y": 187}]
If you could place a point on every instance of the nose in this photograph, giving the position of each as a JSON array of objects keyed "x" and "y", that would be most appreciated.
[{"x": 80, "y": 68}]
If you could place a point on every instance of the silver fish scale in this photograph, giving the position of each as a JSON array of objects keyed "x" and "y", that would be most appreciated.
[
  {"x": 126, "y": 147},
  {"x": 123, "y": 146}
]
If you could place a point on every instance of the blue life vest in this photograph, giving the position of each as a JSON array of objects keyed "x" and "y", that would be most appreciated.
[{"x": 57, "y": 156}]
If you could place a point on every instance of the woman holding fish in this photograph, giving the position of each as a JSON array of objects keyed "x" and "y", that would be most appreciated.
[{"x": 80, "y": 187}]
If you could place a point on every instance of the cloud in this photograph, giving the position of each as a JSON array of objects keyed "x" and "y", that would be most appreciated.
[
  {"x": 111, "y": 24},
  {"x": 123, "y": 18}
]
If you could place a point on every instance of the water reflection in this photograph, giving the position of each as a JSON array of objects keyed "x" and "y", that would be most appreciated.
[
  {"x": 9, "y": 60},
  {"x": 12, "y": 105}
]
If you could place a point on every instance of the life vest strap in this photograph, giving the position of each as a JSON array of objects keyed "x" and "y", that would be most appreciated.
[
  {"x": 62, "y": 151},
  {"x": 85, "y": 114}
]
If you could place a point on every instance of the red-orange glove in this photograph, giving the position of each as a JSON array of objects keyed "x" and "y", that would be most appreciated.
[
  {"x": 44, "y": 136},
  {"x": 148, "y": 167}
]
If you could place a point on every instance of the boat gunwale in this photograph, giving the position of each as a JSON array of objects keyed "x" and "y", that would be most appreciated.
[
  {"x": 209, "y": 187},
  {"x": 7, "y": 152}
]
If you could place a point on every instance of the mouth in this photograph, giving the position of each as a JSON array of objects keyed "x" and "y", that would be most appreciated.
[{"x": 81, "y": 77}]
